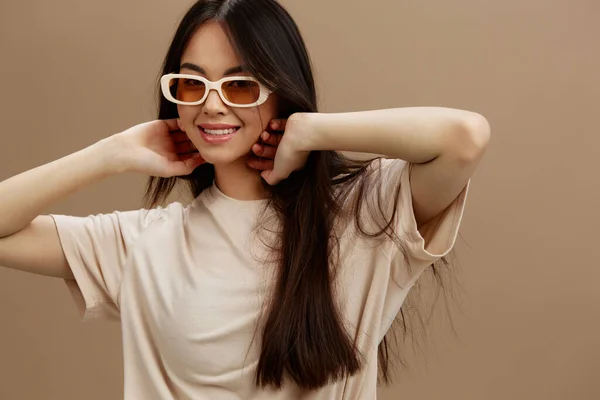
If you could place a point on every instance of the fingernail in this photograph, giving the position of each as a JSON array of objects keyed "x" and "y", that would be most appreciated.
[{"x": 265, "y": 135}]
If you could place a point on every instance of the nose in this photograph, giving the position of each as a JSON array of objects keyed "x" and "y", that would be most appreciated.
[{"x": 214, "y": 104}]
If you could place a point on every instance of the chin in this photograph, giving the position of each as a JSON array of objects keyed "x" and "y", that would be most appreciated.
[
  {"x": 232, "y": 151},
  {"x": 218, "y": 157}
]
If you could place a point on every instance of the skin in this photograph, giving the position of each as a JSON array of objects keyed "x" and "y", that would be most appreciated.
[
  {"x": 209, "y": 48},
  {"x": 444, "y": 146}
]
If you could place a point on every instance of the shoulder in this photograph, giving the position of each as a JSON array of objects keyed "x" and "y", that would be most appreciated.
[
  {"x": 380, "y": 176},
  {"x": 371, "y": 198},
  {"x": 387, "y": 168},
  {"x": 135, "y": 221},
  {"x": 174, "y": 211}
]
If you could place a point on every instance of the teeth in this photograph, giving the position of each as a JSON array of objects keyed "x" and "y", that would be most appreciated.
[{"x": 220, "y": 131}]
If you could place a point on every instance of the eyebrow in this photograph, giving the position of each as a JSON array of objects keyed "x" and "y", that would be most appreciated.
[{"x": 230, "y": 71}]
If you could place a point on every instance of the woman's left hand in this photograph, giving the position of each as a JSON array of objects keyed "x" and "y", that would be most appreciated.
[{"x": 288, "y": 157}]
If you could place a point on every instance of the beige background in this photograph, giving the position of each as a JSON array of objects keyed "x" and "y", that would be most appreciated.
[{"x": 75, "y": 71}]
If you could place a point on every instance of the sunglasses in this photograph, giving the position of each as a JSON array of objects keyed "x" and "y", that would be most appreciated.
[{"x": 192, "y": 90}]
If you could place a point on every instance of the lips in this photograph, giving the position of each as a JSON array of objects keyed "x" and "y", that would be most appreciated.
[
  {"x": 217, "y": 138},
  {"x": 218, "y": 126}
]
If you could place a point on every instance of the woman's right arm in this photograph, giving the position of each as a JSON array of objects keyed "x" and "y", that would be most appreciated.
[{"x": 28, "y": 240}]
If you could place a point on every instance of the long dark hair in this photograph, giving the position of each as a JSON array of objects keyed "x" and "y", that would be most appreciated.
[{"x": 303, "y": 334}]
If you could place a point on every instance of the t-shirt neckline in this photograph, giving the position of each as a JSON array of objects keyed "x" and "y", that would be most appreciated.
[{"x": 218, "y": 194}]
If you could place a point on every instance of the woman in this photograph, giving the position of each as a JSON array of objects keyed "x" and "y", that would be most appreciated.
[{"x": 283, "y": 275}]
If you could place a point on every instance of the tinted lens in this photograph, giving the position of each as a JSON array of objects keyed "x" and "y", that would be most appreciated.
[
  {"x": 187, "y": 89},
  {"x": 241, "y": 91}
]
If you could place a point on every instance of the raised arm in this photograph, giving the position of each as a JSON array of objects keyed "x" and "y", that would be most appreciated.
[
  {"x": 28, "y": 239},
  {"x": 444, "y": 145}
]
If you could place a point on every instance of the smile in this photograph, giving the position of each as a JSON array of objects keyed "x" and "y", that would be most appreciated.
[
  {"x": 217, "y": 135},
  {"x": 220, "y": 131}
]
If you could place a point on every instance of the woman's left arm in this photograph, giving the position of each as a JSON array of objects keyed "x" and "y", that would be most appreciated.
[{"x": 443, "y": 144}]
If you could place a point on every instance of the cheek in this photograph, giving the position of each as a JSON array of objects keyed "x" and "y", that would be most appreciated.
[
  {"x": 269, "y": 110},
  {"x": 265, "y": 113},
  {"x": 187, "y": 116},
  {"x": 253, "y": 120}
]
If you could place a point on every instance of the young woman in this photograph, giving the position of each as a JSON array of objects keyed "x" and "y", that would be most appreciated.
[{"x": 283, "y": 275}]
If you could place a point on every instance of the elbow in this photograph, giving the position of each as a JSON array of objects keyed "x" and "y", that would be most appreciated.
[{"x": 472, "y": 138}]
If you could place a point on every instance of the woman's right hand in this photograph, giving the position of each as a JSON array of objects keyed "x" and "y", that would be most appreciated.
[
  {"x": 160, "y": 148},
  {"x": 151, "y": 148}
]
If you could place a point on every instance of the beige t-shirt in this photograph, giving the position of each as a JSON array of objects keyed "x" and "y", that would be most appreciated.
[{"x": 188, "y": 289}]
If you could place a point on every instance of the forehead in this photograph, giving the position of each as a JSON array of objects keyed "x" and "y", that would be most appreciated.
[{"x": 210, "y": 49}]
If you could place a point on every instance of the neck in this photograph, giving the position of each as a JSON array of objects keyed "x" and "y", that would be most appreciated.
[{"x": 237, "y": 180}]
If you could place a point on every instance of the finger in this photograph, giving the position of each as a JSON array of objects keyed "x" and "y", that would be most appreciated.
[
  {"x": 179, "y": 136},
  {"x": 270, "y": 177},
  {"x": 266, "y": 175},
  {"x": 272, "y": 139},
  {"x": 260, "y": 164},
  {"x": 264, "y": 151},
  {"x": 186, "y": 156},
  {"x": 185, "y": 147},
  {"x": 171, "y": 123},
  {"x": 182, "y": 168},
  {"x": 278, "y": 124},
  {"x": 194, "y": 162},
  {"x": 183, "y": 152}
]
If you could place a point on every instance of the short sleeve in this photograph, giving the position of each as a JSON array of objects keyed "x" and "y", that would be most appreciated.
[
  {"x": 427, "y": 245},
  {"x": 97, "y": 249}
]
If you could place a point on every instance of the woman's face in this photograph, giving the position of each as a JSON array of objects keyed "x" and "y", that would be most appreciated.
[{"x": 210, "y": 50}]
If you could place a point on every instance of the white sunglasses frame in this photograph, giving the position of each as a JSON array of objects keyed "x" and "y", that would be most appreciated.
[{"x": 210, "y": 85}]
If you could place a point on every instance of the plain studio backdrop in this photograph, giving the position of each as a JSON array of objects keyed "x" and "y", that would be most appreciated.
[{"x": 528, "y": 327}]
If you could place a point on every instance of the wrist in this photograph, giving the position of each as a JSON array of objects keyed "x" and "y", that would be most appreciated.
[
  {"x": 109, "y": 154},
  {"x": 308, "y": 135}
]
